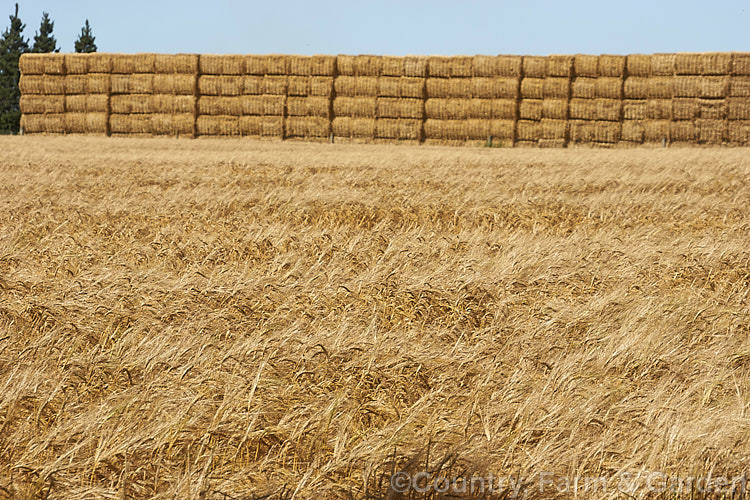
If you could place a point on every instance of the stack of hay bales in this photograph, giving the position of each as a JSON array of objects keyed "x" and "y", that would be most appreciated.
[
  {"x": 153, "y": 94},
  {"x": 308, "y": 102},
  {"x": 596, "y": 106},
  {"x": 470, "y": 99},
  {"x": 379, "y": 99},
  {"x": 260, "y": 103},
  {"x": 556, "y": 91},
  {"x": 87, "y": 89},
  {"x": 699, "y": 106},
  {"x": 647, "y": 107},
  {"x": 42, "y": 88},
  {"x": 739, "y": 100},
  {"x": 529, "y": 125},
  {"x": 220, "y": 94}
]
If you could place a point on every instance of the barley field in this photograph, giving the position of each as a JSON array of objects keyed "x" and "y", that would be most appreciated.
[{"x": 223, "y": 319}]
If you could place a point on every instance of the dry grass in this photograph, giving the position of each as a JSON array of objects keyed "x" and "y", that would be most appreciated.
[{"x": 228, "y": 319}]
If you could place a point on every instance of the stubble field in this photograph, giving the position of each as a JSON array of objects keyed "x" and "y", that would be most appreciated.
[{"x": 233, "y": 319}]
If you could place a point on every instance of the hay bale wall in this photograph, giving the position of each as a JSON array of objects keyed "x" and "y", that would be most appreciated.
[{"x": 548, "y": 101}]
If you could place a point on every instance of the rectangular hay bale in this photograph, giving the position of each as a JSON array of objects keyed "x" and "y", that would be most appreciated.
[
  {"x": 363, "y": 128},
  {"x": 389, "y": 107},
  {"x": 40, "y": 104},
  {"x": 355, "y": 107},
  {"x": 386, "y": 128},
  {"x": 532, "y": 88},
  {"x": 495, "y": 88},
  {"x": 586, "y": 65},
  {"x": 389, "y": 86},
  {"x": 356, "y": 86},
  {"x": 530, "y": 109}
]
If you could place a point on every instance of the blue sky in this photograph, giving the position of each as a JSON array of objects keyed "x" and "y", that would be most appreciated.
[{"x": 397, "y": 27}]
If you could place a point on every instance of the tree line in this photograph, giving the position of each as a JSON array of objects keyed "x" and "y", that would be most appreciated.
[{"x": 12, "y": 46}]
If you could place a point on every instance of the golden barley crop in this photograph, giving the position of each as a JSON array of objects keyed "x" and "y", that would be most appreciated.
[{"x": 224, "y": 318}]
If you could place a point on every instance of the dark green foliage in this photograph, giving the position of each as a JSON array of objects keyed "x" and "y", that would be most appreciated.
[
  {"x": 85, "y": 42},
  {"x": 44, "y": 41},
  {"x": 12, "y": 45}
]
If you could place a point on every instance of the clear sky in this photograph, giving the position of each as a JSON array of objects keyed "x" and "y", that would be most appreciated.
[{"x": 397, "y": 27}]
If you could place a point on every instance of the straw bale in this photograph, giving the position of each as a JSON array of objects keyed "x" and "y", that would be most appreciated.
[
  {"x": 308, "y": 106},
  {"x": 554, "y": 129},
  {"x": 739, "y": 86},
  {"x": 503, "y": 129},
  {"x": 586, "y": 65},
  {"x": 663, "y": 64},
  {"x": 556, "y": 109},
  {"x": 741, "y": 63},
  {"x": 739, "y": 109},
  {"x": 123, "y": 64},
  {"x": 356, "y": 86},
  {"x": 42, "y": 84},
  {"x": 447, "y": 109},
  {"x": 358, "y": 107},
  {"x": 72, "y": 104},
  {"x": 633, "y": 131},
  {"x": 713, "y": 109},
  {"x": 75, "y": 84},
  {"x": 415, "y": 66},
  {"x": 638, "y": 65},
  {"x": 609, "y": 88},
  {"x": 75, "y": 123},
  {"x": 268, "y": 105},
  {"x": 386, "y": 128},
  {"x": 217, "y": 125},
  {"x": 661, "y": 87},
  {"x": 132, "y": 84},
  {"x": 131, "y": 104},
  {"x": 33, "y": 104},
  {"x": 489, "y": 66},
  {"x": 317, "y": 65},
  {"x": 182, "y": 84},
  {"x": 652, "y": 109},
  {"x": 711, "y": 131},
  {"x": 612, "y": 66},
  {"x": 169, "y": 103},
  {"x": 354, "y": 127},
  {"x": 530, "y": 109},
  {"x": 321, "y": 86},
  {"x": 262, "y": 126},
  {"x": 583, "y": 109},
  {"x": 99, "y": 62},
  {"x": 607, "y": 131},
  {"x": 534, "y": 66},
  {"x": 98, "y": 83},
  {"x": 556, "y": 88},
  {"x": 252, "y": 85},
  {"x": 688, "y": 64},
  {"x": 656, "y": 130},
  {"x": 360, "y": 65},
  {"x": 275, "y": 85},
  {"x": 130, "y": 124},
  {"x": 48, "y": 64},
  {"x": 144, "y": 63},
  {"x": 221, "y": 85},
  {"x": 446, "y": 129},
  {"x": 258, "y": 66},
  {"x": 456, "y": 88},
  {"x": 596, "y": 109},
  {"x": 717, "y": 63},
  {"x": 172, "y": 124},
  {"x": 392, "y": 66},
  {"x": 222, "y": 64},
  {"x": 495, "y": 88},
  {"x": 714, "y": 87},
  {"x": 96, "y": 123},
  {"x": 560, "y": 66},
  {"x": 492, "y": 109},
  {"x": 298, "y": 86},
  {"x": 43, "y": 123},
  {"x": 97, "y": 103},
  {"x": 216, "y": 106},
  {"x": 583, "y": 88},
  {"x": 637, "y": 87},
  {"x": 389, "y": 107},
  {"x": 389, "y": 86},
  {"x": 307, "y": 126},
  {"x": 738, "y": 132},
  {"x": 532, "y": 88},
  {"x": 176, "y": 63},
  {"x": 528, "y": 130},
  {"x": 449, "y": 67},
  {"x": 76, "y": 64}
]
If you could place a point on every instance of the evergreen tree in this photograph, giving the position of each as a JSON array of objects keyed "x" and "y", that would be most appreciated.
[
  {"x": 44, "y": 41},
  {"x": 85, "y": 42},
  {"x": 12, "y": 45}
]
